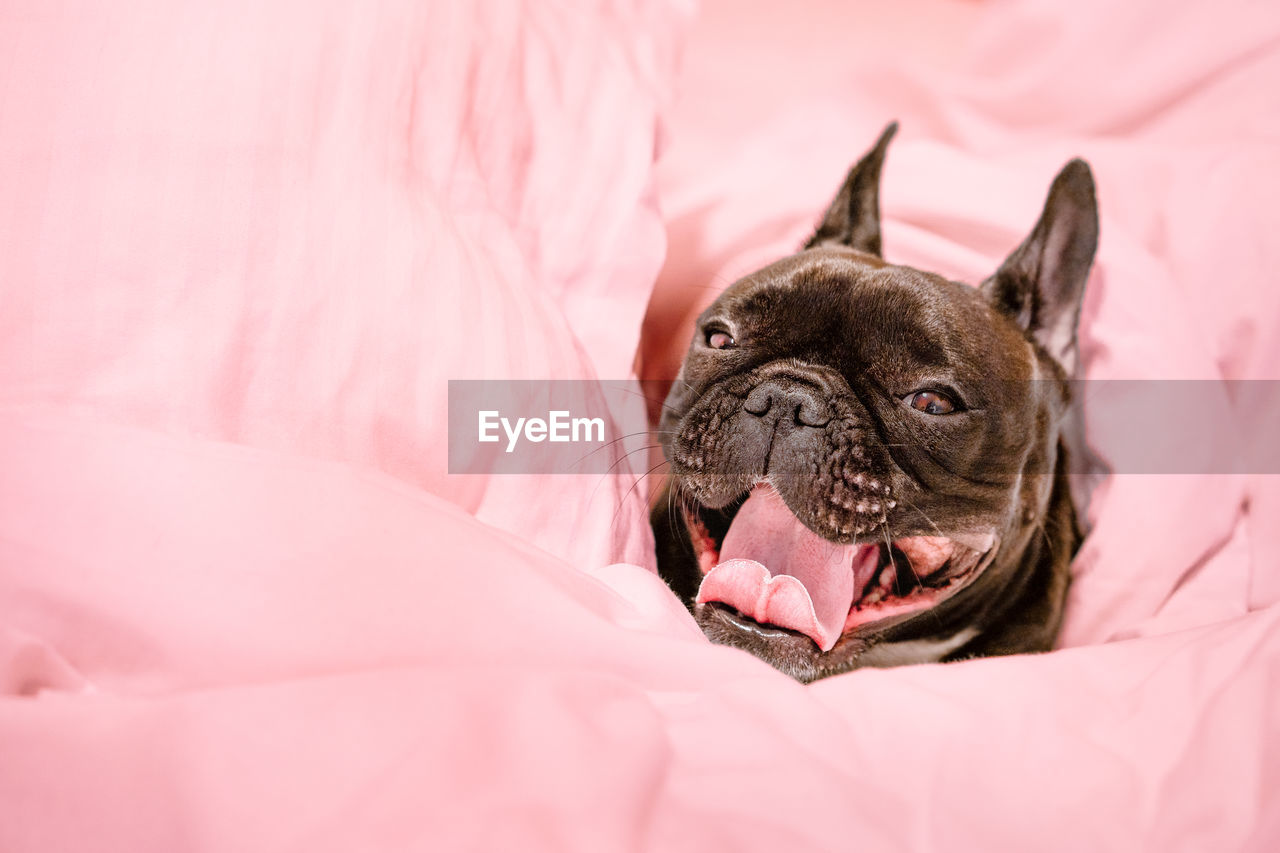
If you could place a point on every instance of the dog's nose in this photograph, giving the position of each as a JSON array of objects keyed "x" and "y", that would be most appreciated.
[{"x": 790, "y": 403}]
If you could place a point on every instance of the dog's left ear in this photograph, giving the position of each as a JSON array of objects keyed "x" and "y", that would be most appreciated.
[
  {"x": 854, "y": 216},
  {"x": 1041, "y": 284}
]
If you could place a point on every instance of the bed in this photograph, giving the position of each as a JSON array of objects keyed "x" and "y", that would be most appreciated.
[{"x": 244, "y": 605}]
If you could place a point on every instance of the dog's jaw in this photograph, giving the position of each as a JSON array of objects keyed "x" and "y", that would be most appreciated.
[{"x": 803, "y": 626}]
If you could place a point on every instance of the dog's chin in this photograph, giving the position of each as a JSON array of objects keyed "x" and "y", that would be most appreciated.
[{"x": 891, "y": 591}]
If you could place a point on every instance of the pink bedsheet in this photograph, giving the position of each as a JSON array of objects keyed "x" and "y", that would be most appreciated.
[{"x": 243, "y": 246}]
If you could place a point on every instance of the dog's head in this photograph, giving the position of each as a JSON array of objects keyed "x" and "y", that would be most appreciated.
[{"x": 863, "y": 455}]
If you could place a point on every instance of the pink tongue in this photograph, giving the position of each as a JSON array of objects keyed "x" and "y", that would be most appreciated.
[{"x": 777, "y": 571}]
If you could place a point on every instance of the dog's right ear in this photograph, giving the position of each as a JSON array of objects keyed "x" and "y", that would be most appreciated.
[
  {"x": 854, "y": 216},
  {"x": 1041, "y": 284}
]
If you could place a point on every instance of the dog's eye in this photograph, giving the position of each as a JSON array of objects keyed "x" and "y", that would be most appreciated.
[
  {"x": 720, "y": 339},
  {"x": 931, "y": 402}
]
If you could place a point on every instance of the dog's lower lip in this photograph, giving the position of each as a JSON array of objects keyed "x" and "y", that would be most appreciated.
[
  {"x": 894, "y": 609},
  {"x": 746, "y": 623}
]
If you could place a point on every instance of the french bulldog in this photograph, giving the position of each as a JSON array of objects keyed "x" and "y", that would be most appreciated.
[{"x": 868, "y": 461}]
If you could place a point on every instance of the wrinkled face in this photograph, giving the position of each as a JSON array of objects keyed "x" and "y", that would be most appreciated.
[{"x": 858, "y": 452}]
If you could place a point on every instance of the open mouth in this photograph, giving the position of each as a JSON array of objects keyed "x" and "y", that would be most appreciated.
[{"x": 760, "y": 562}]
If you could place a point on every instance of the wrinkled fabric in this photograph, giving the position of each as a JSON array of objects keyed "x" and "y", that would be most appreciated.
[
  {"x": 289, "y": 224},
  {"x": 243, "y": 247}
]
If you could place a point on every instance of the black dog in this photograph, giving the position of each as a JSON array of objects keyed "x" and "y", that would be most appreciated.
[{"x": 867, "y": 460}]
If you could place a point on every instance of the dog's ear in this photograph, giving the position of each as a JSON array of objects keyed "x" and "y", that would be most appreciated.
[
  {"x": 854, "y": 216},
  {"x": 1041, "y": 284}
]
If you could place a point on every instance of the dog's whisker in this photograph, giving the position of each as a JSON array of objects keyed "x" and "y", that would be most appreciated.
[
  {"x": 646, "y": 397},
  {"x": 584, "y": 457},
  {"x": 609, "y": 471},
  {"x": 923, "y": 514},
  {"x": 633, "y": 487}
]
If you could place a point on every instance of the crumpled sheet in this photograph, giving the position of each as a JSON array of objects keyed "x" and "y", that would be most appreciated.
[{"x": 244, "y": 607}]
